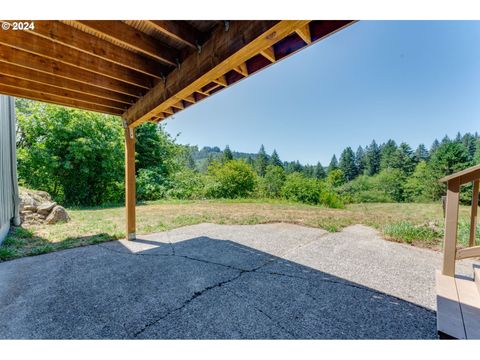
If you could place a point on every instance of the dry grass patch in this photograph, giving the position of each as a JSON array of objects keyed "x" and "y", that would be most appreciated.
[{"x": 399, "y": 222}]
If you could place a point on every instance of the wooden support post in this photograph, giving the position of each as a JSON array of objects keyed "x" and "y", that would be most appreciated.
[
  {"x": 130, "y": 188},
  {"x": 451, "y": 224},
  {"x": 473, "y": 215}
]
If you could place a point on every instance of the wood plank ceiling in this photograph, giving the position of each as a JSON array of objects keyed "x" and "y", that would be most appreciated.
[{"x": 144, "y": 70}]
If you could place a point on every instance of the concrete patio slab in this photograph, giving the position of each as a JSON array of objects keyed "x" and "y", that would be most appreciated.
[{"x": 273, "y": 281}]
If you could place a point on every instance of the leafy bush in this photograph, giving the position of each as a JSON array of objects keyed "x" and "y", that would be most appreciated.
[
  {"x": 364, "y": 189},
  {"x": 232, "y": 179},
  {"x": 187, "y": 184},
  {"x": 335, "y": 178},
  {"x": 299, "y": 188},
  {"x": 331, "y": 199},
  {"x": 383, "y": 187},
  {"x": 390, "y": 182},
  {"x": 77, "y": 156},
  {"x": 271, "y": 185},
  {"x": 152, "y": 184}
]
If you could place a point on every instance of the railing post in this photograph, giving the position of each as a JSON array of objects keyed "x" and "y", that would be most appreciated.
[
  {"x": 130, "y": 187},
  {"x": 451, "y": 224},
  {"x": 473, "y": 214}
]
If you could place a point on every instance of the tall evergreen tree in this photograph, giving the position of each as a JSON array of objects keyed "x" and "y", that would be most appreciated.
[
  {"x": 227, "y": 154},
  {"x": 319, "y": 171},
  {"x": 347, "y": 164},
  {"x": 476, "y": 156},
  {"x": 250, "y": 161},
  {"x": 372, "y": 159},
  {"x": 387, "y": 155},
  {"x": 469, "y": 141},
  {"x": 360, "y": 160},
  {"x": 261, "y": 161},
  {"x": 421, "y": 153},
  {"x": 434, "y": 146},
  {"x": 458, "y": 138},
  {"x": 275, "y": 159},
  {"x": 446, "y": 140},
  {"x": 404, "y": 159},
  {"x": 333, "y": 164}
]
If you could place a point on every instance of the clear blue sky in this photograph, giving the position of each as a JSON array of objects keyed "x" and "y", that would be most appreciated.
[{"x": 410, "y": 81}]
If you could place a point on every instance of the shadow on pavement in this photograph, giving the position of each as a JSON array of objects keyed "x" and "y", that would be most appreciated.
[{"x": 200, "y": 288}]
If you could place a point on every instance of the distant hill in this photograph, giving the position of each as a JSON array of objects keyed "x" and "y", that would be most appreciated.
[{"x": 201, "y": 157}]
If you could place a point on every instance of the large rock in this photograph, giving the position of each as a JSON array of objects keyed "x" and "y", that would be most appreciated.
[
  {"x": 46, "y": 208},
  {"x": 58, "y": 215},
  {"x": 37, "y": 207}
]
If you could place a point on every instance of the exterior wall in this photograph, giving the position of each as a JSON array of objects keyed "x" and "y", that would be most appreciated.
[{"x": 9, "y": 200}]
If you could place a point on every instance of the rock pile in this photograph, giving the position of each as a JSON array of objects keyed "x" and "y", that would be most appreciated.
[{"x": 37, "y": 207}]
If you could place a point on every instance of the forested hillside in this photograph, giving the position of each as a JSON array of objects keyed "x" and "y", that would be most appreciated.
[{"x": 78, "y": 156}]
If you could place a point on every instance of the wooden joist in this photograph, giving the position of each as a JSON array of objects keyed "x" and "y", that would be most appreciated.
[
  {"x": 54, "y": 99},
  {"x": 242, "y": 69},
  {"x": 63, "y": 83},
  {"x": 190, "y": 99},
  {"x": 67, "y": 94},
  {"x": 43, "y": 47},
  {"x": 180, "y": 31},
  {"x": 224, "y": 51},
  {"x": 179, "y": 105},
  {"x": 304, "y": 33},
  {"x": 53, "y": 67},
  {"x": 269, "y": 54},
  {"x": 80, "y": 40},
  {"x": 221, "y": 81},
  {"x": 132, "y": 38}
]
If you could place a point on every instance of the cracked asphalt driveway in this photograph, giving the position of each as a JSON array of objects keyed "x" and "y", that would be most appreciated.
[{"x": 273, "y": 281}]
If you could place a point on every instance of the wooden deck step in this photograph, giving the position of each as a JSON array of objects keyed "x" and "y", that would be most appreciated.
[
  {"x": 449, "y": 314},
  {"x": 458, "y": 307}
]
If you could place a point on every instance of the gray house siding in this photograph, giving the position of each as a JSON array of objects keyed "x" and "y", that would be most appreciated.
[{"x": 9, "y": 200}]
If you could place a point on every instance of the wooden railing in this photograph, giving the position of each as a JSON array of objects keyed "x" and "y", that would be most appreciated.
[{"x": 450, "y": 251}]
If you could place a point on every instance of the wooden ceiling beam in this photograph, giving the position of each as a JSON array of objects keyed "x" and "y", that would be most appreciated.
[
  {"x": 168, "y": 111},
  {"x": 48, "y": 98},
  {"x": 39, "y": 63},
  {"x": 221, "y": 81},
  {"x": 179, "y": 105},
  {"x": 41, "y": 46},
  {"x": 269, "y": 54},
  {"x": 304, "y": 33},
  {"x": 242, "y": 69},
  {"x": 129, "y": 36},
  {"x": 190, "y": 99},
  {"x": 225, "y": 50},
  {"x": 68, "y": 35},
  {"x": 68, "y": 94},
  {"x": 179, "y": 30},
  {"x": 63, "y": 83}
]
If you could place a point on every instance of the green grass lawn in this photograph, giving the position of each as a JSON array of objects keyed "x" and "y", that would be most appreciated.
[{"x": 417, "y": 224}]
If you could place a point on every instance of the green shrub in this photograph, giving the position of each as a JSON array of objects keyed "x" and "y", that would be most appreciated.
[
  {"x": 152, "y": 184},
  {"x": 77, "y": 156},
  {"x": 187, "y": 184},
  {"x": 271, "y": 184},
  {"x": 299, "y": 188},
  {"x": 232, "y": 179},
  {"x": 383, "y": 187},
  {"x": 331, "y": 199}
]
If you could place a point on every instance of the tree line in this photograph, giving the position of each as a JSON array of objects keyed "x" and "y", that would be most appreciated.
[{"x": 78, "y": 157}]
